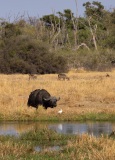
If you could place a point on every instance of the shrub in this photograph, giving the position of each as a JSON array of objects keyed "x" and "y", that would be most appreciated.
[{"x": 30, "y": 56}]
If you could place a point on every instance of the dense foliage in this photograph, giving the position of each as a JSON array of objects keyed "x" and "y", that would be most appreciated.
[{"x": 56, "y": 43}]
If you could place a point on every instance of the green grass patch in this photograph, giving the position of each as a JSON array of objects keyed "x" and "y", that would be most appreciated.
[
  {"x": 97, "y": 117},
  {"x": 46, "y": 137},
  {"x": 81, "y": 117}
]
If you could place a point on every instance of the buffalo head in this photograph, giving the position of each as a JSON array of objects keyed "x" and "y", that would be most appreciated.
[{"x": 50, "y": 102}]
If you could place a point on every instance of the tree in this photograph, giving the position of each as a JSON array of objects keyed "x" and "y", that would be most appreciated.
[
  {"x": 94, "y": 10},
  {"x": 94, "y": 13}
]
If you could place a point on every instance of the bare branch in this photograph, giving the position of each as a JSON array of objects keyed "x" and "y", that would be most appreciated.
[
  {"x": 91, "y": 30},
  {"x": 83, "y": 44}
]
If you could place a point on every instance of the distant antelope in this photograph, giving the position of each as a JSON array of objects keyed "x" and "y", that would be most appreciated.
[
  {"x": 107, "y": 75},
  {"x": 32, "y": 76},
  {"x": 63, "y": 76},
  {"x": 113, "y": 62}
]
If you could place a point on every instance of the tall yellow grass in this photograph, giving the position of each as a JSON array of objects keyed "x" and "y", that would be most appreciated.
[
  {"x": 85, "y": 92},
  {"x": 91, "y": 148}
]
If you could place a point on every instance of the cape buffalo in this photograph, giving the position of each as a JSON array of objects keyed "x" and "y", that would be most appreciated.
[
  {"x": 32, "y": 76},
  {"x": 42, "y": 97}
]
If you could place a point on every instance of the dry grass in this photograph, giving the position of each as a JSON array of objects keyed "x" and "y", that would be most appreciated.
[
  {"x": 86, "y": 92},
  {"x": 90, "y": 148},
  {"x": 83, "y": 147},
  {"x": 11, "y": 148}
]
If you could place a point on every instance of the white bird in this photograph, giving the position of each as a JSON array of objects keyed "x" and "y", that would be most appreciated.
[{"x": 60, "y": 111}]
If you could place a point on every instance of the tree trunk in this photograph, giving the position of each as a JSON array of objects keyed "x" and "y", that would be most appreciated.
[{"x": 92, "y": 33}]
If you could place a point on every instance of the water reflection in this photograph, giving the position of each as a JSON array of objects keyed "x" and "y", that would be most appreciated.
[
  {"x": 48, "y": 148},
  {"x": 17, "y": 128},
  {"x": 95, "y": 128}
]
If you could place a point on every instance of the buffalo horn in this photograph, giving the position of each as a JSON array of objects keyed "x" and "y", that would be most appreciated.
[{"x": 47, "y": 99}]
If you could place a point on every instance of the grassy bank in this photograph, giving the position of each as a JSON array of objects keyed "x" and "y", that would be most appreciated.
[
  {"x": 87, "y": 96},
  {"x": 71, "y": 146}
]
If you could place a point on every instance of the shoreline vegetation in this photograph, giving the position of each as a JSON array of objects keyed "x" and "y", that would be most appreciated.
[
  {"x": 86, "y": 96},
  {"x": 79, "y": 147}
]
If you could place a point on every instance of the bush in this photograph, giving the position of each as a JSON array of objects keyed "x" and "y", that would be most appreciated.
[
  {"x": 30, "y": 56},
  {"x": 91, "y": 60}
]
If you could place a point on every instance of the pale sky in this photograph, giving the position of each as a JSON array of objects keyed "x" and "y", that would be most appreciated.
[{"x": 38, "y": 8}]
